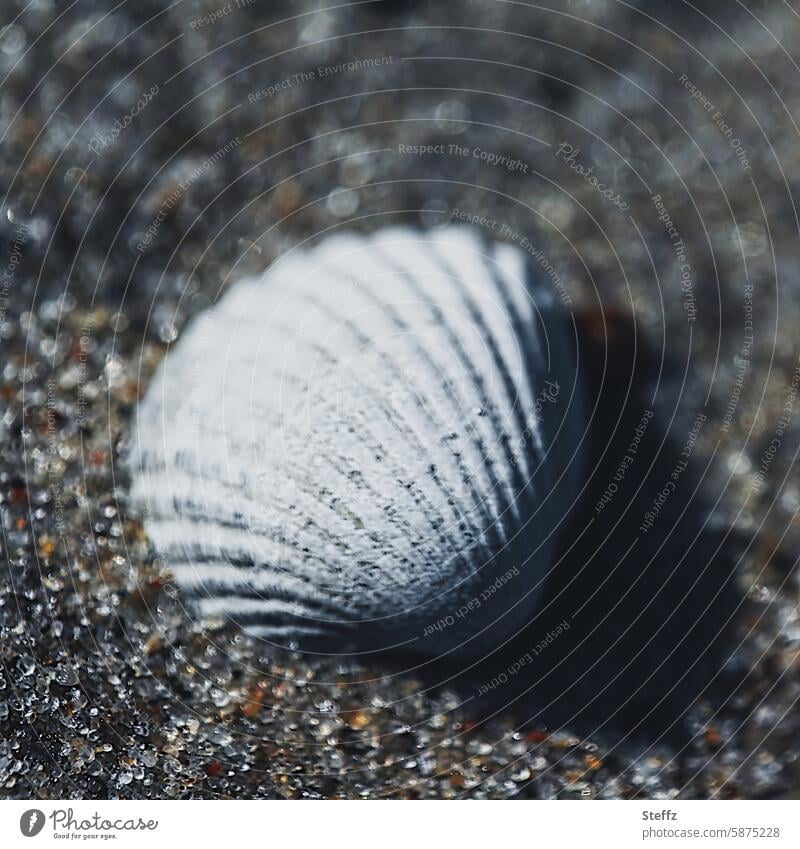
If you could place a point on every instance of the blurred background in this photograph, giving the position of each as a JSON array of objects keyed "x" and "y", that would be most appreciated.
[{"x": 152, "y": 155}]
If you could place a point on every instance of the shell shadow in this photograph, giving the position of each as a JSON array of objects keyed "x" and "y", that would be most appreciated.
[{"x": 634, "y": 626}]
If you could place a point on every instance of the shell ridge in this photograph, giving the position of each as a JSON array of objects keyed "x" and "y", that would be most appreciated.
[
  {"x": 229, "y": 544},
  {"x": 220, "y": 584},
  {"x": 561, "y": 359},
  {"x": 511, "y": 390},
  {"x": 255, "y": 526},
  {"x": 477, "y": 381},
  {"x": 333, "y": 361},
  {"x": 531, "y": 376},
  {"x": 438, "y": 425}
]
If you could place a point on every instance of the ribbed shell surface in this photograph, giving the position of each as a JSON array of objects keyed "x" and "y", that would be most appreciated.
[{"x": 372, "y": 444}]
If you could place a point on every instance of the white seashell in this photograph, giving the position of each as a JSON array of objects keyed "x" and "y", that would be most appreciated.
[{"x": 376, "y": 439}]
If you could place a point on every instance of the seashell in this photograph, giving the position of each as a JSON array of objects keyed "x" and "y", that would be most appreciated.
[{"x": 373, "y": 444}]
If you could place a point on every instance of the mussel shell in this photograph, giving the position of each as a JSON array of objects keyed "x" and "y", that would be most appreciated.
[{"x": 374, "y": 444}]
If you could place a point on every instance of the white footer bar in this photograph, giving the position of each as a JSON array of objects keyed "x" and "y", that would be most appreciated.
[{"x": 389, "y": 824}]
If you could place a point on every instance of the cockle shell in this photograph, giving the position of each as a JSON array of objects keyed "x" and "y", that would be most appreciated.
[{"x": 373, "y": 444}]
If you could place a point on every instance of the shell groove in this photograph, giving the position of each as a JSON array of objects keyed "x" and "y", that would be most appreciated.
[{"x": 375, "y": 441}]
